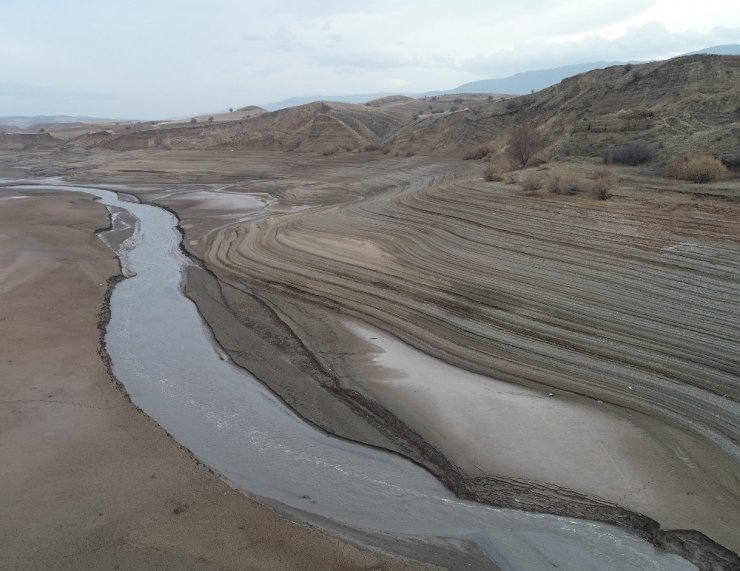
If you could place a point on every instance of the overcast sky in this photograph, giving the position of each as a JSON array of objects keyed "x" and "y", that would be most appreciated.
[{"x": 150, "y": 59}]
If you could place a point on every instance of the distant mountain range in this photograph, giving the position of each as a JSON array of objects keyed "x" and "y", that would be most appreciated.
[
  {"x": 24, "y": 122},
  {"x": 521, "y": 83},
  {"x": 357, "y": 98},
  {"x": 517, "y": 84}
]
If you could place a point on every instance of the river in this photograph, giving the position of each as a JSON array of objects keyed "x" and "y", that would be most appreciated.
[{"x": 166, "y": 357}]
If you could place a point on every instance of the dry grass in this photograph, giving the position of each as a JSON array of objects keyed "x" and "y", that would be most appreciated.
[
  {"x": 477, "y": 153},
  {"x": 492, "y": 173},
  {"x": 532, "y": 181},
  {"x": 595, "y": 182},
  {"x": 695, "y": 168},
  {"x": 604, "y": 180}
]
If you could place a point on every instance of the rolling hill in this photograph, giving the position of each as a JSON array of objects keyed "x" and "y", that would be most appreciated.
[{"x": 687, "y": 103}]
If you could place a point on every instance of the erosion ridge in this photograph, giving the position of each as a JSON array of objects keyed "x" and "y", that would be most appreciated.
[{"x": 310, "y": 256}]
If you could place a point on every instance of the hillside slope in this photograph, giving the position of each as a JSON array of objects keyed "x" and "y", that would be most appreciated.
[
  {"x": 316, "y": 127},
  {"x": 687, "y": 103}
]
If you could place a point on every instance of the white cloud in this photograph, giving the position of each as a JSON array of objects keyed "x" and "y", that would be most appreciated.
[
  {"x": 174, "y": 57},
  {"x": 647, "y": 42}
]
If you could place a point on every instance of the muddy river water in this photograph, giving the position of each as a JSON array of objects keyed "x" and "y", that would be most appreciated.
[{"x": 170, "y": 365}]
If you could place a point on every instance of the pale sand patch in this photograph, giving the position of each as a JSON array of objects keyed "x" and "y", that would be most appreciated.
[
  {"x": 220, "y": 200},
  {"x": 487, "y": 426}
]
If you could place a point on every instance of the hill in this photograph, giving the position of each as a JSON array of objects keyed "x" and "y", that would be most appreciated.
[
  {"x": 321, "y": 127},
  {"x": 296, "y": 101},
  {"x": 687, "y": 103},
  {"x": 517, "y": 84},
  {"x": 316, "y": 127},
  {"x": 28, "y": 142},
  {"x": 528, "y": 81},
  {"x": 26, "y": 122},
  {"x": 724, "y": 50},
  {"x": 525, "y": 82}
]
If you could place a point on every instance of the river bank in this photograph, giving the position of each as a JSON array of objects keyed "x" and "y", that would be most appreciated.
[
  {"x": 286, "y": 304},
  {"x": 88, "y": 481}
]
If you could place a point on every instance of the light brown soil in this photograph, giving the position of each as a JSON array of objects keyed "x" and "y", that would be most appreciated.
[
  {"x": 632, "y": 302},
  {"x": 89, "y": 482}
]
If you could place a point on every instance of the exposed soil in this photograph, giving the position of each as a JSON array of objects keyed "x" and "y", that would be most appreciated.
[
  {"x": 88, "y": 481},
  {"x": 627, "y": 308}
]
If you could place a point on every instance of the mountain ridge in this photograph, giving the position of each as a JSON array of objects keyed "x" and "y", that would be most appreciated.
[{"x": 517, "y": 84}]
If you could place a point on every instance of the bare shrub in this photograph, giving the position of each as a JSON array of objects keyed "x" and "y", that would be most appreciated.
[
  {"x": 559, "y": 182},
  {"x": 371, "y": 147},
  {"x": 632, "y": 153},
  {"x": 532, "y": 181},
  {"x": 479, "y": 152},
  {"x": 604, "y": 180},
  {"x": 524, "y": 143},
  {"x": 410, "y": 153},
  {"x": 695, "y": 168},
  {"x": 492, "y": 173},
  {"x": 553, "y": 182}
]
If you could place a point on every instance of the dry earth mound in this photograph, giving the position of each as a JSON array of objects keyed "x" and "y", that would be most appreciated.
[
  {"x": 316, "y": 127},
  {"x": 28, "y": 142},
  {"x": 322, "y": 127}
]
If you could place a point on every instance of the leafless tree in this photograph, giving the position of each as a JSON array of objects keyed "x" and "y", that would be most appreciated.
[{"x": 524, "y": 143}]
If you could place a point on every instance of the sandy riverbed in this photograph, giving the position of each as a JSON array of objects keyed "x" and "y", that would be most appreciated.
[
  {"x": 89, "y": 482},
  {"x": 572, "y": 294}
]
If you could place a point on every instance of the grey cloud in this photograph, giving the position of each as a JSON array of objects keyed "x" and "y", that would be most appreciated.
[{"x": 651, "y": 41}]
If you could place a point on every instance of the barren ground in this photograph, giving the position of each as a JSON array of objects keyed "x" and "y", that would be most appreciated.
[
  {"x": 89, "y": 482},
  {"x": 625, "y": 310}
]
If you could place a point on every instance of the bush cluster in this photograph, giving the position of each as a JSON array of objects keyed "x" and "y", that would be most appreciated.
[
  {"x": 532, "y": 181},
  {"x": 604, "y": 180},
  {"x": 632, "y": 153},
  {"x": 492, "y": 173},
  {"x": 599, "y": 184},
  {"x": 479, "y": 152},
  {"x": 695, "y": 168},
  {"x": 732, "y": 161}
]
